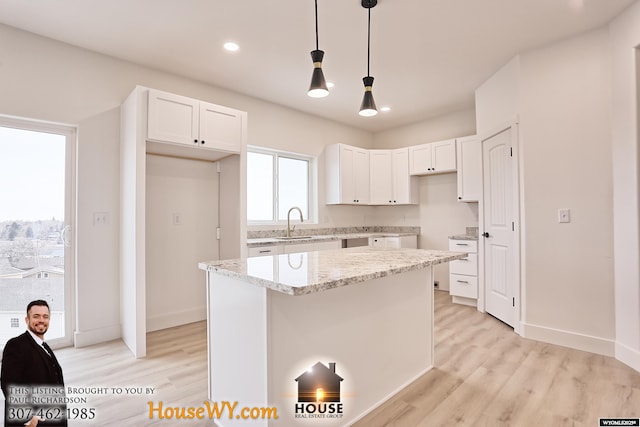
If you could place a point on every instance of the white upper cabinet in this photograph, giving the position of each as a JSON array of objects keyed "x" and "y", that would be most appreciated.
[
  {"x": 347, "y": 175},
  {"x": 182, "y": 120},
  {"x": 432, "y": 158},
  {"x": 469, "y": 155},
  {"x": 381, "y": 177},
  {"x": 390, "y": 181}
]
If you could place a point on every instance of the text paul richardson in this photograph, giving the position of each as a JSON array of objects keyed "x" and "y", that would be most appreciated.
[{"x": 211, "y": 410}]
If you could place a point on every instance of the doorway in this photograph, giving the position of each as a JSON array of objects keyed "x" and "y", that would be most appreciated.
[{"x": 37, "y": 218}]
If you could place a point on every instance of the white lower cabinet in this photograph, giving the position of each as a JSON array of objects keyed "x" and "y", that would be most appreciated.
[
  {"x": 410, "y": 242},
  {"x": 463, "y": 273}
]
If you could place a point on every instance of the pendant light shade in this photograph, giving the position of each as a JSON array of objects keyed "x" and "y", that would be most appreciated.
[
  {"x": 318, "y": 87},
  {"x": 368, "y": 106}
]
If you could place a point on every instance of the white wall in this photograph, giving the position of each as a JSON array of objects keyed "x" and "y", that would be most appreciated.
[
  {"x": 498, "y": 99},
  {"x": 625, "y": 38},
  {"x": 98, "y": 255},
  {"x": 188, "y": 189},
  {"x": 561, "y": 94},
  {"x": 57, "y": 82},
  {"x": 439, "y": 214},
  {"x": 566, "y": 156}
]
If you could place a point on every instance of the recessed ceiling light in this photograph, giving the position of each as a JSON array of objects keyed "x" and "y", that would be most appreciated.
[
  {"x": 385, "y": 109},
  {"x": 231, "y": 46}
]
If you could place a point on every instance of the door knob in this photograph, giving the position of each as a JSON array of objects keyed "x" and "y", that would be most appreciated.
[{"x": 485, "y": 234}]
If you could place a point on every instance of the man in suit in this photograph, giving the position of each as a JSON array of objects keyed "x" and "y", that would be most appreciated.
[{"x": 31, "y": 376}]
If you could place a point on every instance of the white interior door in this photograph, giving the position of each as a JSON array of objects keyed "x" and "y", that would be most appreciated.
[{"x": 499, "y": 225}]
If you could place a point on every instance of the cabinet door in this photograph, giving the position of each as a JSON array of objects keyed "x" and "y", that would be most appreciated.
[
  {"x": 403, "y": 188},
  {"x": 360, "y": 169},
  {"x": 381, "y": 177},
  {"x": 220, "y": 127},
  {"x": 346, "y": 181},
  {"x": 443, "y": 156},
  {"x": 172, "y": 118},
  {"x": 378, "y": 242},
  {"x": 420, "y": 159},
  {"x": 469, "y": 159}
]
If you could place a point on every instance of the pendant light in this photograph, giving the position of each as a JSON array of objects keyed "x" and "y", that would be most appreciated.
[
  {"x": 318, "y": 87},
  {"x": 368, "y": 106}
]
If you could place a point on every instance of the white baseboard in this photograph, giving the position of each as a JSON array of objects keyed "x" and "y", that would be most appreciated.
[
  {"x": 471, "y": 302},
  {"x": 628, "y": 356},
  {"x": 96, "y": 336},
  {"x": 569, "y": 339},
  {"x": 169, "y": 320}
]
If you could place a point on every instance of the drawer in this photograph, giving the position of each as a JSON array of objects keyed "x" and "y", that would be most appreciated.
[
  {"x": 463, "y": 286},
  {"x": 468, "y": 265},
  {"x": 263, "y": 250},
  {"x": 470, "y": 246}
]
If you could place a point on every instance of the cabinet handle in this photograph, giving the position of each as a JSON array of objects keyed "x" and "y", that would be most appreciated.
[
  {"x": 462, "y": 281},
  {"x": 459, "y": 198},
  {"x": 462, "y": 244},
  {"x": 195, "y": 140},
  {"x": 485, "y": 234},
  {"x": 265, "y": 251},
  {"x": 202, "y": 142}
]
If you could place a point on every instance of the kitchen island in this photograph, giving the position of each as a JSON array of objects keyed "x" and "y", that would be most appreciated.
[{"x": 323, "y": 337}]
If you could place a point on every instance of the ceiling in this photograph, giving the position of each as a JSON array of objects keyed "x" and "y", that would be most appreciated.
[{"x": 427, "y": 56}]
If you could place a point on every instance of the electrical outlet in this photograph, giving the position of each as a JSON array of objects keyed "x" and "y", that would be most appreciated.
[
  {"x": 564, "y": 215},
  {"x": 100, "y": 218}
]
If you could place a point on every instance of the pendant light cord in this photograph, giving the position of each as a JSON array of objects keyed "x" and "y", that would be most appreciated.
[
  {"x": 368, "y": 40},
  {"x": 316, "y": 24}
]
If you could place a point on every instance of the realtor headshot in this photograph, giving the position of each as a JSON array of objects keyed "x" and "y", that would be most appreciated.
[{"x": 31, "y": 377}]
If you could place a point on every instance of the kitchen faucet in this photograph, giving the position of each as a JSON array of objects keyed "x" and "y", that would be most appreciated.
[{"x": 289, "y": 220}]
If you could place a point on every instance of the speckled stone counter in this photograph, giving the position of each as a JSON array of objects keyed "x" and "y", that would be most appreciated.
[{"x": 308, "y": 272}]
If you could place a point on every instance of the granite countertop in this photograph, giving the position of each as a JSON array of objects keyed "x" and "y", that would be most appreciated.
[
  {"x": 470, "y": 234},
  {"x": 463, "y": 237},
  {"x": 308, "y": 272}
]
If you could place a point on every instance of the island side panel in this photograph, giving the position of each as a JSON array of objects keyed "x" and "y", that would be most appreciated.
[
  {"x": 379, "y": 333},
  {"x": 237, "y": 342}
]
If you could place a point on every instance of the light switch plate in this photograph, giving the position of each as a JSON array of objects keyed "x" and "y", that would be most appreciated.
[
  {"x": 564, "y": 215},
  {"x": 100, "y": 218},
  {"x": 177, "y": 219}
]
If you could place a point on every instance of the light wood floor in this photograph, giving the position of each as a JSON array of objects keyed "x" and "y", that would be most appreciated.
[{"x": 484, "y": 375}]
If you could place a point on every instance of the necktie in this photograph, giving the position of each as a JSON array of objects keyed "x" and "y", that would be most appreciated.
[{"x": 49, "y": 351}]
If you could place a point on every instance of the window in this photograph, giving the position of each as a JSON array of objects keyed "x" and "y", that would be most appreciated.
[
  {"x": 15, "y": 322},
  {"x": 276, "y": 182}
]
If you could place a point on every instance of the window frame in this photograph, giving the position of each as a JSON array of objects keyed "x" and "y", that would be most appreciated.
[{"x": 312, "y": 191}]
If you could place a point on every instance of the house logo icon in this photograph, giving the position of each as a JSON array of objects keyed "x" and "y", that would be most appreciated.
[{"x": 319, "y": 392}]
